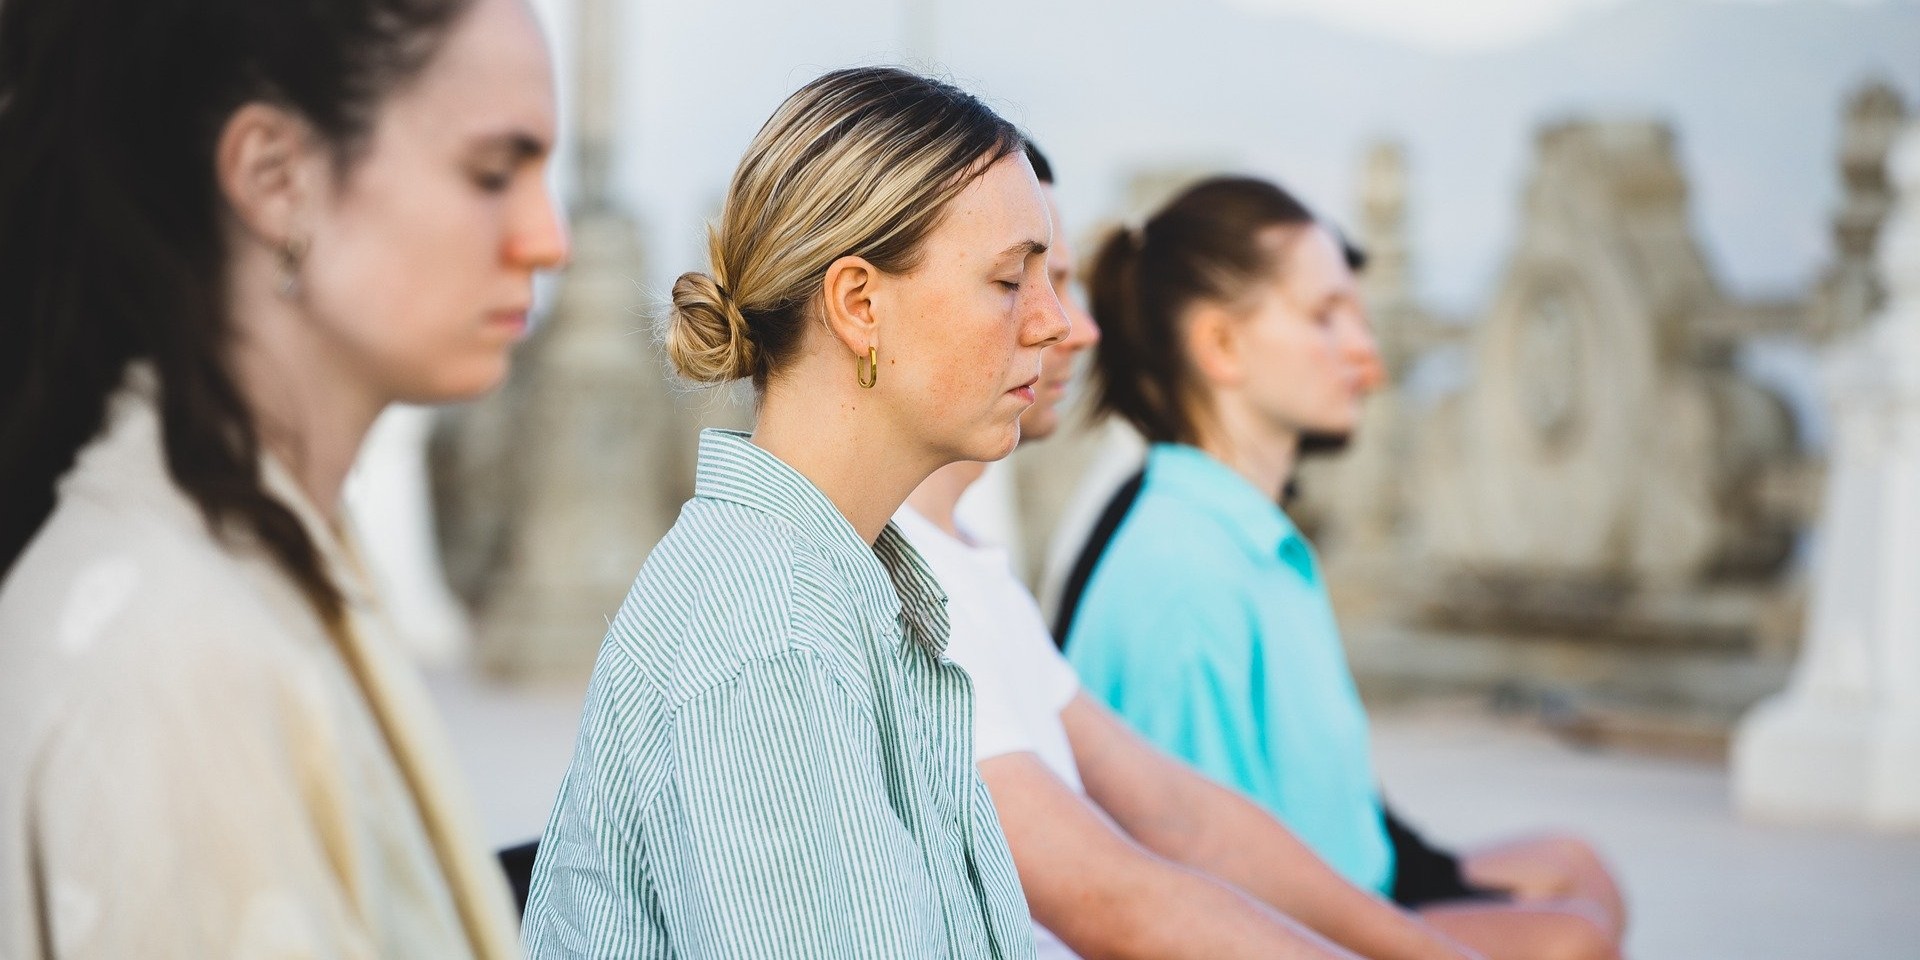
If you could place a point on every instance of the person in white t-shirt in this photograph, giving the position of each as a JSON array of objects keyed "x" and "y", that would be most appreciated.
[{"x": 1122, "y": 850}]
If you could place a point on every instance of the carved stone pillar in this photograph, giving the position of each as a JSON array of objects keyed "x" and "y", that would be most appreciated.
[
  {"x": 1842, "y": 743},
  {"x": 1352, "y": 501},
  {"x": 556, "y": 488},
  {"x": 1850, "y": 291}
]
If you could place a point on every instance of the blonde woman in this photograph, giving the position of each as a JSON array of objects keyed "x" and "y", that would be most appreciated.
[{"x": 776, "y": 758}]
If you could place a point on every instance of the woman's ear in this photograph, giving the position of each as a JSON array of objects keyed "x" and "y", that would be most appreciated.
[
  {"x": 265, "y": 162},
  {"x": 847, "y": 294},
  {"x": 1212, "y": 340}
]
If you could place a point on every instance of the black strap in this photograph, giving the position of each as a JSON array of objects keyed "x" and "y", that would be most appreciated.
[
  {"x": 518, "y": 864},
  {"x": 1091, "y": 552},
  {"x": 1425, "y": 874}
]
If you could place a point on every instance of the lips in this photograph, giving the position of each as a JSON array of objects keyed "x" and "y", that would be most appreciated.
[{"x": 515, "y": 321}]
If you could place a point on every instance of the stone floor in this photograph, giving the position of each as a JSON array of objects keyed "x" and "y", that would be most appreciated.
[{"x": 1703, "y": 886}]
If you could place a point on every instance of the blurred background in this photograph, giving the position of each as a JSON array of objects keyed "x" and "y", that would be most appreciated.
[{"x": 1630, "y": 544}]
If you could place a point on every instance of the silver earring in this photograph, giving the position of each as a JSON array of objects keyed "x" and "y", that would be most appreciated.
[{"x": 290, "y": 257}]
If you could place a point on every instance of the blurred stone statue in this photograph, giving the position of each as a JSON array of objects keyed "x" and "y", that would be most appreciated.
[{"x": 1842, "y": 743}]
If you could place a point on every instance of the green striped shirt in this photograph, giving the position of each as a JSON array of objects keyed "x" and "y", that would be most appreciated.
[{"x": 776, "y": 758}]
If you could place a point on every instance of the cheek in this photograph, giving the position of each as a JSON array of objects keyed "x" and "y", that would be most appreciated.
[
  {"x": 403, "y": 278},
  {"x": 1297, "y": 367},
  {"x": 961, "y": 351}
]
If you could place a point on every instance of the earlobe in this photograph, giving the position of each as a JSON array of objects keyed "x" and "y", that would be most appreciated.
[
  {"x": 848, "y": 295},
  {"x": 260, "y": 162}
]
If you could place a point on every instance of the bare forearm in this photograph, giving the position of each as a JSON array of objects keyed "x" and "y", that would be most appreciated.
[
  {"x": 1162, "y": 911},
  {"x": 1245, "y": 846},
  {"x": 1106, "y": 896},
  {"x": 1187, "y": 819}
]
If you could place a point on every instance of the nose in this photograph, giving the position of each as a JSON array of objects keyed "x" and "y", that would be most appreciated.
[
  {"x": 539, "y": 238},
  {"x": 1085, "y": 332},
  {"x": 1047, "y": 322},
  {"x": 1362, "y": 352}
]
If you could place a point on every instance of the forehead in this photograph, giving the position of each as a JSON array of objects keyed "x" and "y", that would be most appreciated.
[
  {"x": 491, "y": 75},
  {"x": 1001, "y": 207},
  {"x": 1060, "y": 253},
  {"x": 1312, "y": 264}
]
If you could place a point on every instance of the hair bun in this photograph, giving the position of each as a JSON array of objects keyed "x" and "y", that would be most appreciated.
[{"x": 707, "y": 337}]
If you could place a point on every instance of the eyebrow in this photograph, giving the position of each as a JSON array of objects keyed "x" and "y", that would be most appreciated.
[
  {"x": 519, "y": 145},
  {"x": 1024, "y": 249}
]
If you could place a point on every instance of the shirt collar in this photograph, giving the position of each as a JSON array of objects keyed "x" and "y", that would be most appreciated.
[
  {"x": 1250, "y": 516},
  {"x": 891, "y": 579}
]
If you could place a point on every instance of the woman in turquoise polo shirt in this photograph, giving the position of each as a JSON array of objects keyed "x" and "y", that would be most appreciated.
[
  {"x": 776, "y": 759},
  {"x": 1233, "y": 327}
]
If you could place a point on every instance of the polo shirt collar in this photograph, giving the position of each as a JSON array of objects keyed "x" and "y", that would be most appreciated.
[
  {"x": 735, "y": 469},
  {"x": 1249, "y": 515}
]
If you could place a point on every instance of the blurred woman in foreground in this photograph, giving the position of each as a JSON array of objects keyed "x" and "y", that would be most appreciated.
[
  {"x": 1230, "y": 332},
  {"x": 231, "y": 232}
]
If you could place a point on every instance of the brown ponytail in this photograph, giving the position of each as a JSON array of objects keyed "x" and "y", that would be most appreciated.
[{"x": 1212, "y": 243}]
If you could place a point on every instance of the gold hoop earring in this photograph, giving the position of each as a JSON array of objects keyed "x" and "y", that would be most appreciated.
[
  {"x": 871, "y": 374},
  {"x": 290, "y": 257}
]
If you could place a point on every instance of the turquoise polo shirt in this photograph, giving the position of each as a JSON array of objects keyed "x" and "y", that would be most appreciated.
[{"x": 1207, "y": 626}]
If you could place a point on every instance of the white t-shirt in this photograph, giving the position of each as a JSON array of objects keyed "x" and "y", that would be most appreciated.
[{"x": 1020, "y": 680}]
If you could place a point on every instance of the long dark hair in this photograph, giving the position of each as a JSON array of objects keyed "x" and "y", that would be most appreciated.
[
  {"x": 1207, "y": 244},
  {"x": 111, "y": 245}
]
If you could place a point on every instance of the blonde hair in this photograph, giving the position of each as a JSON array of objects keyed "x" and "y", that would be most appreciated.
[{"x": 859, "y": 162}]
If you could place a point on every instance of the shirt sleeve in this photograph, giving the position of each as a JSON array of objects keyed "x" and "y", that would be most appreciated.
[
  {"x": 780, "y": 840},
  {"x": 1052, "y": 675}
]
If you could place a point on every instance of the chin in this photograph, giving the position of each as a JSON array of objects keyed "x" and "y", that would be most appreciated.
[
  {"x": 1039, "y": 425},
  {"x": 458, "y": 382},
  {"x": 995, "y": 446}
]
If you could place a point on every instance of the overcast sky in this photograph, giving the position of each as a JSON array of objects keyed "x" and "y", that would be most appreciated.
[
  {"x": 1296, "y": 90},
  {"x": 1462, "y": 26}
]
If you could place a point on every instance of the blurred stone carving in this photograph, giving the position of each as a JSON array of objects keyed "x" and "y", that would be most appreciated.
[
  {"x": 1605, "y": 439},
  {"x": 1602, "y": 518},
  {"x": 1843, "y": 742}
]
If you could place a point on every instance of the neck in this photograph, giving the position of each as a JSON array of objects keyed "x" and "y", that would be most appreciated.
[
  {"x": 311, "y": 409},
  {"x": 937, "y": 496},
  {"x": 839, "y": 442},
  {"x": 1255, "y": 450}
]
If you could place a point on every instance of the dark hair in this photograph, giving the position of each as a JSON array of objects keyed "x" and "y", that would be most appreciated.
[
  {"x": 1207, "y": 244},
  {"x": 111, "y": 245},
  {"x": 1353, "y": 253},
  {"x": 1042, "y": 170}
]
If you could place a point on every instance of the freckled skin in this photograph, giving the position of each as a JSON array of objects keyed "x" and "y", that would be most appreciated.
[
  {"x": 960, "y": 339},
  {"x": 1058, "y": 363}
]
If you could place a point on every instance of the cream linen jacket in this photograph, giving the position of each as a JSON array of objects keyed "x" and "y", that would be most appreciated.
[{"x": 191, "y": 766}]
